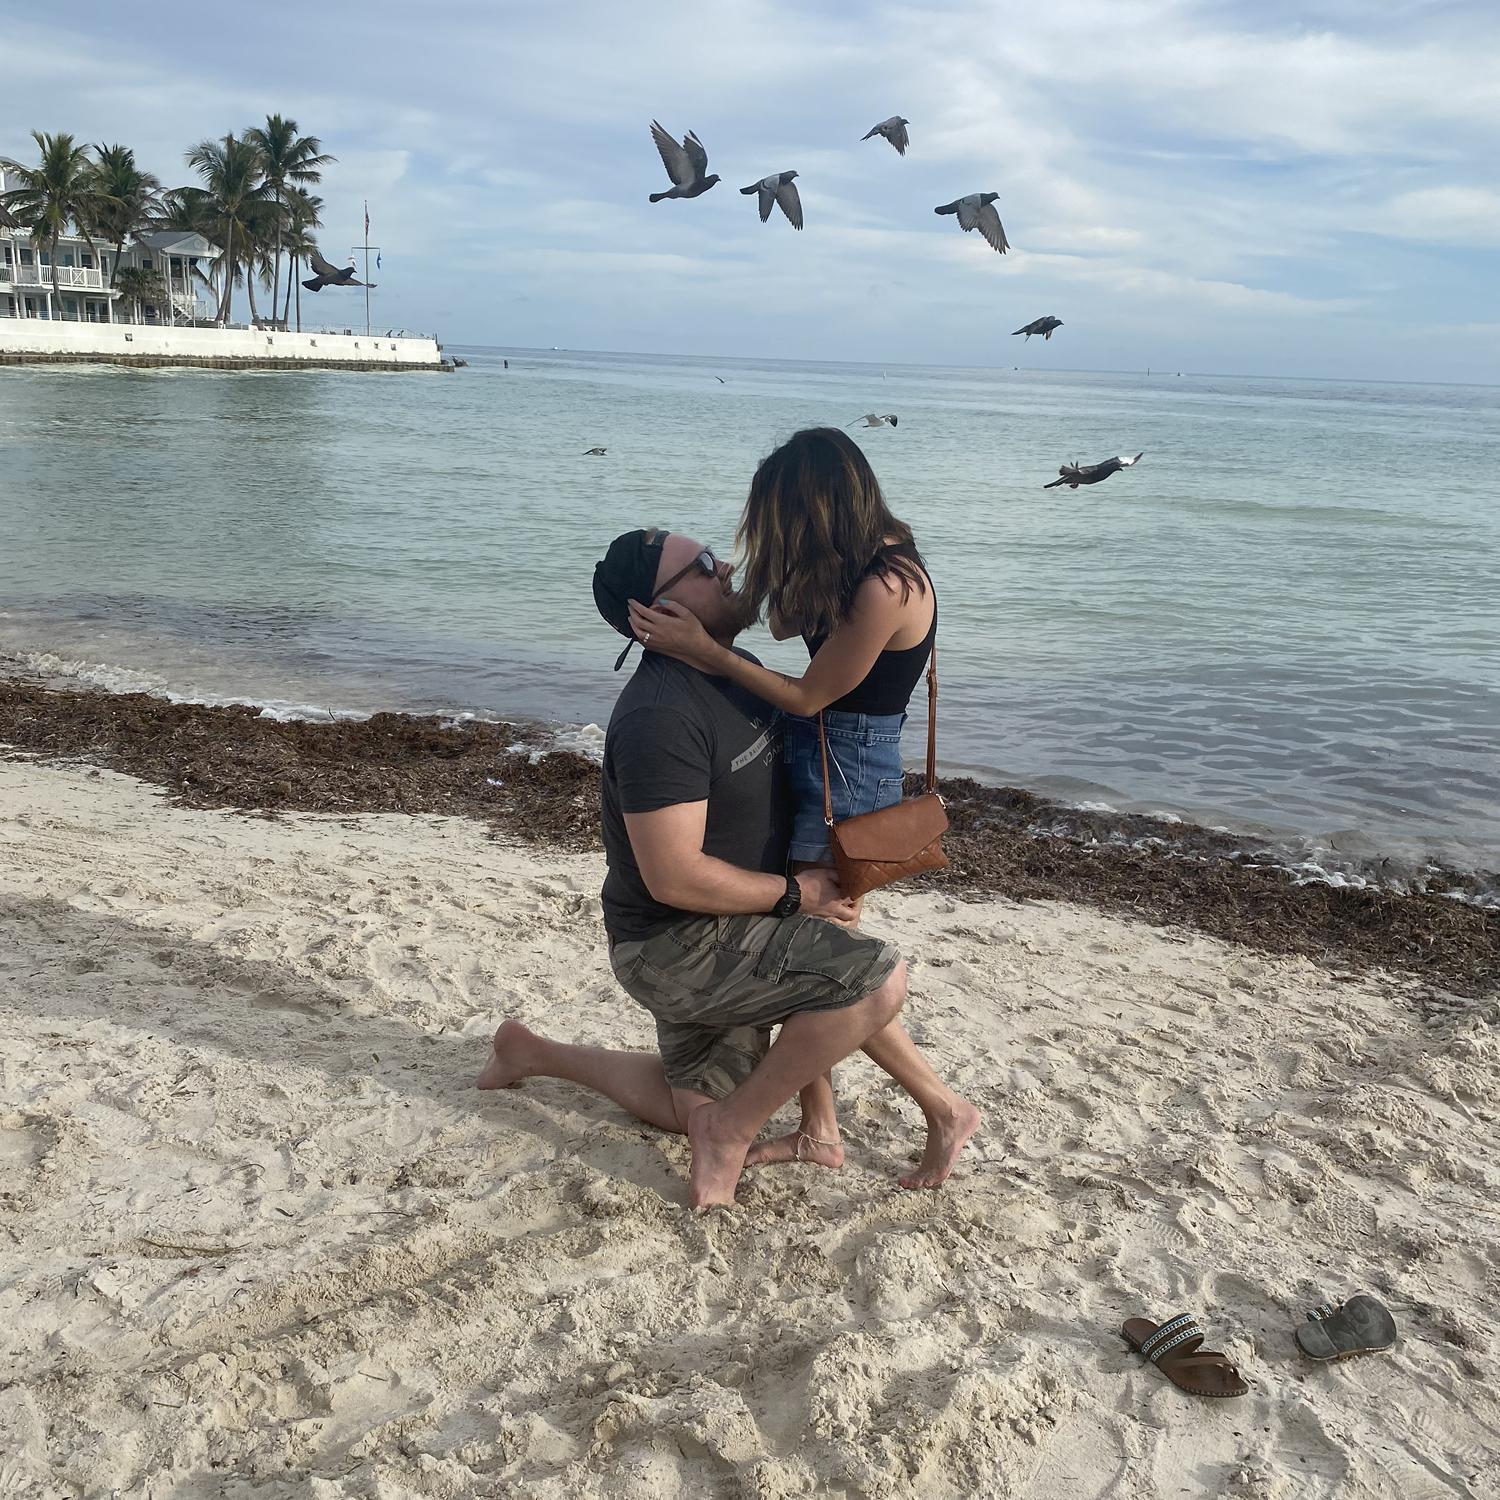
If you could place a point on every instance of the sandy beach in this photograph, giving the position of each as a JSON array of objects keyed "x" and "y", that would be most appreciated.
[{"x": 260, "y": 1236}]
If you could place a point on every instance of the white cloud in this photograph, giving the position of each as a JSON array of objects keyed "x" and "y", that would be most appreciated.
[{"x": 1451, "y": 215}]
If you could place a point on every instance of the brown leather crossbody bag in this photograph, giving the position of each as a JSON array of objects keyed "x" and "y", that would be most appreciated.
[{"x": 876, "y": 848}]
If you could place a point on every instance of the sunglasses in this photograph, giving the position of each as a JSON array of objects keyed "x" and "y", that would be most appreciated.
[
  {"x": 705, "y": 563},
  {"x": 704, "y": 560}
]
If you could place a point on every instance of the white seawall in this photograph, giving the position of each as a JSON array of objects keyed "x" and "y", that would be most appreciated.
[{"x": 37, "y": 341}]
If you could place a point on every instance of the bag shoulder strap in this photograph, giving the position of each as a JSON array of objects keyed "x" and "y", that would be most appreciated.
[{"x": 931, "y": 737}]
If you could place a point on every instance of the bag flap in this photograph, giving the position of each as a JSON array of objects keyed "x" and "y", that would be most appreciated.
[{"x": 894, "y": 834}]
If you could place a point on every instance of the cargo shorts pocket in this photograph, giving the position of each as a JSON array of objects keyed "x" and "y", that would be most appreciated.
[
  {"x": 772, "y": 963},
  {"x": 810, "y": 945}
]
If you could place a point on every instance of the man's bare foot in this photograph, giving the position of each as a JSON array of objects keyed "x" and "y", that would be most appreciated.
[
  {"x": 816, "y": 1147},
  {"x": 946, "y": 1137},
  {"x": 513, "y": 1051},
  {"x": 718, "y": 1160}
]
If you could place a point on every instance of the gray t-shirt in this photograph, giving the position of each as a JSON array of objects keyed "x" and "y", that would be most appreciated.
[{"x": 677, "y": 735}]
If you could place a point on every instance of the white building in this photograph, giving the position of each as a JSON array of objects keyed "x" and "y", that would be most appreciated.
[{"x": 84, "y": 294}]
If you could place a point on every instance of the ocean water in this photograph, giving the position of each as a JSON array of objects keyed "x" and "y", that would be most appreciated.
[{"x": 1286, "y": 619}]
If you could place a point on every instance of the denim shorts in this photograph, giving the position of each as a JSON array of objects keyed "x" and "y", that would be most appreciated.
[{"x": 864, "y": 773}]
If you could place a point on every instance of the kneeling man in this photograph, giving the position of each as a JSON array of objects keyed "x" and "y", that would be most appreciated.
[{"x": 706, "y": 929}]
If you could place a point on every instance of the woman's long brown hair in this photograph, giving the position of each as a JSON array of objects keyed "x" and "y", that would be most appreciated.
[{"x": 815, "y": 527}]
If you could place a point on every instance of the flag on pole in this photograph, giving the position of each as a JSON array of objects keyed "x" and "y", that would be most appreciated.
[
  {"x": 367, "y": 218},
  {"x": 377, "y": 260}
]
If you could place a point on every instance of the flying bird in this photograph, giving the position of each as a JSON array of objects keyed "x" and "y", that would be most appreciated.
[
  {"x": 893, "y": 130},
  {"x": 1043, "y": 326},
  {"x": 977, "y": 212},
  {"x": 594, "y": 452},
  {"x": 721, "y": 380},
  {"x": 778, "y": 189},
  {"x": 1073, "y": 475},
  {"x": 329, "y": 274},
  {"x": 687, "y": 165},
  {"x": 871, "y": 420}
]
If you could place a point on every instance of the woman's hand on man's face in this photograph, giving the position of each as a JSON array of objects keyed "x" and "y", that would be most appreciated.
[{"x": 673, "y": 630}]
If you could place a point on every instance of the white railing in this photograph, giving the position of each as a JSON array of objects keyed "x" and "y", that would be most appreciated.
[
  {"x": 70, "y": 276},
  {"x": 75, "y": 276}
]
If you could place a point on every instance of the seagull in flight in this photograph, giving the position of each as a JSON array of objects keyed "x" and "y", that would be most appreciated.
[
  {"x": 778, "y": 189},
  {"x": 1044, "y": 326},
  {"x": 892, "y": 130},
  {"x": 977, "y": 211},
  {"x": 329, "y": 274},
  {"x": 595, "y": 452},
  {"x": 871, "y": 420},
  {"x": 1073, "y": 475},
  {"x": 687, "y": 165}
]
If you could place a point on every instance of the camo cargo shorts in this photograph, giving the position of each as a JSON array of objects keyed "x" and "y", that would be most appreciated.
[{"x": 717, "y": 985}]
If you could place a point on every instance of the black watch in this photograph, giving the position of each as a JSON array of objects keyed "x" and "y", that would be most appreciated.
[{"x": 791, "y": 903}]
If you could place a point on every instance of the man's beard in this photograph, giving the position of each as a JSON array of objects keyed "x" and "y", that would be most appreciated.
[{"x": 739, "y": 615}]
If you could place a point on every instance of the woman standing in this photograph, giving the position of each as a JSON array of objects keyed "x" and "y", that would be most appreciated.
[{"x": 826, "y": 560}]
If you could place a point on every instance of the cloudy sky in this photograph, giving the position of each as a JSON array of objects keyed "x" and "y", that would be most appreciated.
[{"x": 1236, "y": 186}]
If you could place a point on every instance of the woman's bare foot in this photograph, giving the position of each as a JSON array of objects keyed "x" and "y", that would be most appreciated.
[
  {"x": 513, "y": 1051},
  {"x": 946, "y": 1137},
  {"x": 718, "y": 1160},
  {"x": 814, "y": 1147}
]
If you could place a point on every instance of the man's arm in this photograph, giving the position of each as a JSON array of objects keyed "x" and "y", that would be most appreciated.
[{"x": 668, "y": 849}]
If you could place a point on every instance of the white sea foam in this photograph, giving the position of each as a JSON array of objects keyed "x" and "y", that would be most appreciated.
[
  {"x": 113, "y": 679},
  {"x": 45, "y": 666},
  {"x": 52, "y": 669},
  {"x": 75, "y": 671},
  {"x": 585, "y": 739}
]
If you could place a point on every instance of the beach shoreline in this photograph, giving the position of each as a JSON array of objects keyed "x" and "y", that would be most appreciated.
[
  {"x": 1440, "y": 929},
  {"x": 258, "y": 1229}
]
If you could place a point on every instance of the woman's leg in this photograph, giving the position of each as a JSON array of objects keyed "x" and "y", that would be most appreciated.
[
  {"x": 951, "y": 1119},
  {"x": 816, "y": 1138}
]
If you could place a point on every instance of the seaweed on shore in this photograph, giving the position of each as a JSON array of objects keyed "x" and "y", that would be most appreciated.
[{"x": 1003, "y": 841}]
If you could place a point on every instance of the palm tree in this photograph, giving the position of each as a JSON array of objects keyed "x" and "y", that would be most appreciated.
[
  {"x": 138, "y": 284},
  {"x": 262, "y": 226},
  {"x": 303, "y": 215},
  {"x": 287, "y": 160},
  {"x": 237, "y": 201},
  {"x": 57, "y": 192},
  {"x": 128, "y": 199}
]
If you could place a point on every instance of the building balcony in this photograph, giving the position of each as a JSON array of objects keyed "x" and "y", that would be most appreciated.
[{"x": 74, "y": 277}]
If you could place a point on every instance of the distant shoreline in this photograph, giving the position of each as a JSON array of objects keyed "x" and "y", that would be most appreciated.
[
  {"x": 1004, "y": 842},
  {"x": 509, "y": 350}
]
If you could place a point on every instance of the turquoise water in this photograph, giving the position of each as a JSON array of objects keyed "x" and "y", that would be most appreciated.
[{"x": 1285, "y": 618}]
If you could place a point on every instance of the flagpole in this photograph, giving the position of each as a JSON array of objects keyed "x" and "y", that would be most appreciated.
[
  {"x": 367, "y": 267},
  {"x": 366, "y": 247}
]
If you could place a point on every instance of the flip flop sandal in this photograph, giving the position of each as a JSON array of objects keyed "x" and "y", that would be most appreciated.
[
  {"x": 1361, "y": 1326},
  {"x": 1176, "y": 1349}
]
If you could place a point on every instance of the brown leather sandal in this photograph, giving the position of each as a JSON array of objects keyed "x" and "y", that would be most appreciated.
[{"x": 1175, "y": 1348}]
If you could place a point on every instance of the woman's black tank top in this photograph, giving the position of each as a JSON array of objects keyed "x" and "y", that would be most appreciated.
[{"x": 887, "y": 688}]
